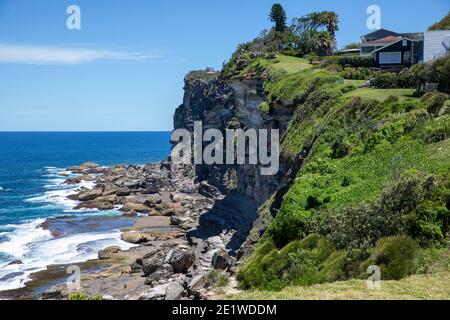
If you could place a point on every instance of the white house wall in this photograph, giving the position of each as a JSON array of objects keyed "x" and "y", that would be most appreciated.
[{"x": 433, "y": 44}]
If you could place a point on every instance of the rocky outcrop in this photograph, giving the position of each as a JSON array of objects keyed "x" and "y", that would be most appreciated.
[{"x": 221, "y": 104}]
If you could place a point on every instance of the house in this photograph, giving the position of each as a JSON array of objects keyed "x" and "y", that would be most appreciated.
[
  {"x": 436, "y": 44},
  {"x": 392, "y": 50}
]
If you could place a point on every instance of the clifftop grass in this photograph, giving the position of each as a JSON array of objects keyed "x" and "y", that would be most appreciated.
[{"x": 417, "y": 287}]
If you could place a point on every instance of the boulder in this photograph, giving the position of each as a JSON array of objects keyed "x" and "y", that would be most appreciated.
[
  {"x": 151, "y": 189},
  {"x": 136, "y": 267},
  {"x": 73, "y": 180},
  {"x": 123, "y": 192},
  {"x": 108, "y": 252},
  {"x": 176, "y": 220},
  {"x": 136, "y": 207},
  {"x": 221, "y": 260},
  {"x": 133, "y": 237},
  {"x": 89, "y": 165},
  {"x": 174, "y": 291},
  {"x": 169, "y": 213},
  {"x": 196, "y": 285},
  {"x": 180, "y": 261},
  {"x": 89, "y": 195},
  {"x": 156, "y": 293},
  {"x": 208, "y": 190},
  {"x": 152, "y": 263},
  {"x": 161, "y": 273}
]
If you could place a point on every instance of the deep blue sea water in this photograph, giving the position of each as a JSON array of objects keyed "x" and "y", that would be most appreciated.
[{"x": 31, "y": 190}]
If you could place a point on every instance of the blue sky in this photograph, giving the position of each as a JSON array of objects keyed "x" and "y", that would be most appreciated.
[{"x": 123, "y": 71}]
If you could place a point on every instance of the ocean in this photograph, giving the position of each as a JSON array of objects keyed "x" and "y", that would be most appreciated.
[{"x": 31, "y": 191}]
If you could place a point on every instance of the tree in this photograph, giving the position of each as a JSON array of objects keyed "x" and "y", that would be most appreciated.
[
  {"x": 278, "y": 15},
  {"x": 317, "y": 31},
  {"x": 444, "y": 24}
]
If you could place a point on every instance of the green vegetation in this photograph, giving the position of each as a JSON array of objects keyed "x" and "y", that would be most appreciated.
[
  {"x": 382, "y": 94},
  {"x": 83, "y": 296},
  {"x": 291, "y": 64},
  {"x": 278, "y": 16},
  {"x": 372, "y": 182},
  {"x": 373, "y": 189},
  {"x": 217, "y": 279},
  {"x": 444, "y": 24}
]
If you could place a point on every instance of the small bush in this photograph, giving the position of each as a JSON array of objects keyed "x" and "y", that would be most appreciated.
[
  {"x": 83, "y": 296},
  {"x": 395, "y": 256},
  {"x": 357, "y": 73},
  {"x": 264, "y": 107},
  {"x": 216, "y": 278}
]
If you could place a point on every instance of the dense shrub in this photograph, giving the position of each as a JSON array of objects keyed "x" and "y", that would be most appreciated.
[
  {"x": 357, "y": 73},
  {"x": 297, "y": 263},
  {"x": 356, "y": 61},
  {"x": 395, "y": 256},
  {"x": 402, "y": 208},
  {"x": 390, "y": 80}
]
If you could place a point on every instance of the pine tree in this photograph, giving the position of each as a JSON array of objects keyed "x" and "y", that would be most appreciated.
[{"x": 278, "y": 15}]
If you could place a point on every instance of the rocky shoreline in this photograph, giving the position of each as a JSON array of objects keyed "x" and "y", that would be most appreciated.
[{"x": 182, "y": 230}]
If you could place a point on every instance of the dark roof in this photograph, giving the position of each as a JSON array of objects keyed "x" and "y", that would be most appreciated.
[
  {"x": 388, "y": 39},
  {"x": 380, "y": 33}
]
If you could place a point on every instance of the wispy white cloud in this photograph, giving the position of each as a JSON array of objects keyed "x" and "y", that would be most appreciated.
[{"x": 44, "y": 55}]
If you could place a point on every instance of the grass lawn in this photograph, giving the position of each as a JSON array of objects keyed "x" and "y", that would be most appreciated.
[
  {"x": 382, "y": 94},
  {"x": 432, "y": 286},
  {"x": 291, "y": 64}
]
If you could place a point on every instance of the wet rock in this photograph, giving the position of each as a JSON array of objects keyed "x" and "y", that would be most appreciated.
[
  {"x": 15, "y": 262},
  {"x": 11, "y": 275},
  {"x": 108, "y": 252},
  {"x": 90, "y": 195}
]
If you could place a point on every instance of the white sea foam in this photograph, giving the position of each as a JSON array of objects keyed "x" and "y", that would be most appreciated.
[{"x": 36, "y": 247}]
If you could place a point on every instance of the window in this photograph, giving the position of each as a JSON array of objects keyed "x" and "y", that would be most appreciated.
[
  {"x": 390, "y": 57},
  {"x": 405, "y": 43}
]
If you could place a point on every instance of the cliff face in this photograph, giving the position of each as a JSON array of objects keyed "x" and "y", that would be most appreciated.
[
  {"x": 224, "y": 105},
  {"x": 233, "y": 104}
]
